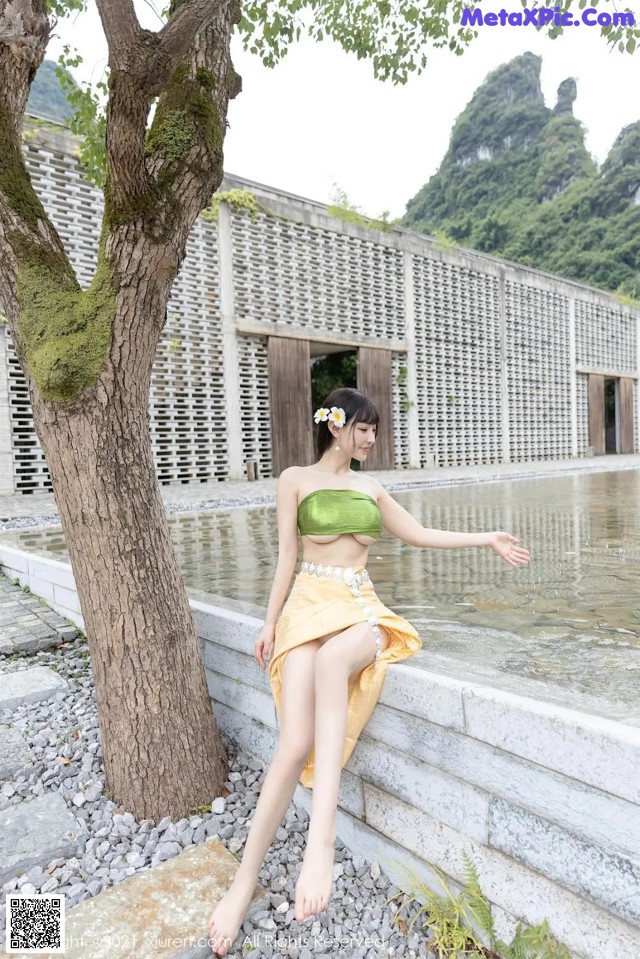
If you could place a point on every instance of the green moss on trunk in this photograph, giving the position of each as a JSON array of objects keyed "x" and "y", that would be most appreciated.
[
  {"x": 144, "y": 204},
  {"x": 15, "y": 181},
  {"x": 186, "y": 111},
  {"x": 67, "y": 331}
]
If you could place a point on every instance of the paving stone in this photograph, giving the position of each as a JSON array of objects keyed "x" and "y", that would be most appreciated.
[
  {"x": 54, "y": 619},
  {"x": 41, "y": 629},
  {"x": 18, "y": 627},
  {"x": 46, "y": 642},
  {"x": 14, "y": 752},
  {"x": 25, "y": 643},
  {"x": 9, "y": 615},
  {"x": 35, "y": 831},
  {"x": 159, "y": 911},
  {"x": 29, "y": 686}
]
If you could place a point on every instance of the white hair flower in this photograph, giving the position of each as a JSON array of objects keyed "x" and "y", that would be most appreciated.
[
  {"x": 337, "y": 415},
  {"x": 321, "y": 414}
]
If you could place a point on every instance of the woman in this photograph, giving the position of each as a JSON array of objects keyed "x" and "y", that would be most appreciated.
[{"x": 333, "y": 642}]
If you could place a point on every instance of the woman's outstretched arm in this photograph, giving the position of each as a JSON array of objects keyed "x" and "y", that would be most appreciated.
[{"x": 402, "y": 524}]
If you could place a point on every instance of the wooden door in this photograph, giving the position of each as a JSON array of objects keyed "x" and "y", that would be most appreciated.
[
  {"x": 596, "y": 413},
  {"x": 291, "y": 419},
  {"x": 626, "y": 414},
  {"x": 374, "y": 379}
]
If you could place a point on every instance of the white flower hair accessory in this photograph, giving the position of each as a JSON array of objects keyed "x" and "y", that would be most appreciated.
[{"x": 336, "y": 415}]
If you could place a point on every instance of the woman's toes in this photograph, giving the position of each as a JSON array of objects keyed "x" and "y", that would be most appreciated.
[
  {"x": 313, "y": 889},
  {"x": 226, "y": 919}
]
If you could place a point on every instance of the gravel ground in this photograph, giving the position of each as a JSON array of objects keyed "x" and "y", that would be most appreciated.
[{"x": 118, "y": 845}]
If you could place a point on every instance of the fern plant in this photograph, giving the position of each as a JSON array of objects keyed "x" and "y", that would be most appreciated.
[
  {"x": 534, "y": 943},
  {"x": 451, "y": 920}
]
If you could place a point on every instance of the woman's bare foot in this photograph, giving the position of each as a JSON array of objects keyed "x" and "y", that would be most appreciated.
[
  {"x": 313, "y": 888},
  {"x": 226, "y": 918}
]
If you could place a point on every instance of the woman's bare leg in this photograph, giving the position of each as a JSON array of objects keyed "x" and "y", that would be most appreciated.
[
  {"x": 297, "y": 717},
  {"x": 340, "y": 657}
]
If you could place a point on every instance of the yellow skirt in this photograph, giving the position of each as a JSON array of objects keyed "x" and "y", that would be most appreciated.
[{"x": 321, "y": 604}]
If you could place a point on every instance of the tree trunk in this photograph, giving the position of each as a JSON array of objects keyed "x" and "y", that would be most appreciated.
[
  {"x": 87, "y": 356},
  {"x": 162, "y": 752}
]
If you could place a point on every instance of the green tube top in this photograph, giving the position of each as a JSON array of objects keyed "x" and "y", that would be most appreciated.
[{"x": 327, "y": 512}]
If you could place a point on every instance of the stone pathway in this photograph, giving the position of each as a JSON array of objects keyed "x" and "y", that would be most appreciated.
[{"x": 27, "y": 623}]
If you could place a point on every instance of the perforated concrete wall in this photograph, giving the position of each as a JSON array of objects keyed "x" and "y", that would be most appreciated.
[{"x": 490, "y": 361}]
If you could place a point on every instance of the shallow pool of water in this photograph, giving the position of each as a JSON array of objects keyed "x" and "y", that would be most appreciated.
[{"x": 565, "y": 629}]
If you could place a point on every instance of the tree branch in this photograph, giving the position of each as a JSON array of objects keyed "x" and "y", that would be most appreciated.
[
  {"x": 122, "y": 30},
  {"x": 24, "y": 33},
  {"x": 29, "y": 243},
  {"x": 178, "y": 34},
  {"x": 152, "y": 58},
  {"x": 142, "y": 63}
]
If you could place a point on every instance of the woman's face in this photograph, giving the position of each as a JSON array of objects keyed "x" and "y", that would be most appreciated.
[{"x": 360, "y": 439}]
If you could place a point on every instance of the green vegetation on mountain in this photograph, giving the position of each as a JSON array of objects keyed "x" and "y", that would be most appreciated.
[
  {"x": 517, "y": 181},
  {"x": 46, "y": 97}
]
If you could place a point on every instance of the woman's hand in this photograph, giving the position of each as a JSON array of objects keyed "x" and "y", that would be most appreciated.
[
  {"x": 506, "y": 546},
  {"x": 264, "y": 643}
]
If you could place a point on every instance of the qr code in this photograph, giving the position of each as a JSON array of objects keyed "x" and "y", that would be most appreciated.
[{"x": 35, "y": 923}]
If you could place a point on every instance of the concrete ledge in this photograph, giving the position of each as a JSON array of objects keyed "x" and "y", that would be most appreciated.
[
  {"x": 233, "y": 693},
  {"x": 606, "y": 878},
  {"x": 579, "y": 807},
  {"x": 404, "y": 689},
  {"x": 582, "y": 926},
  {"x": 451, "y": 800},
  {"x": 591, "y": 749},
  {"x": 424, "y": 782}
]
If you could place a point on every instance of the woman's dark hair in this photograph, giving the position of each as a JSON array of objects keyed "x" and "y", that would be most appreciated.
[{"x": 358, "y": 408}]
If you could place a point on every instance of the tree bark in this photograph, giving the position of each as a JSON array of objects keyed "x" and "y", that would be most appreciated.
[
  {"x": 162, "y": 752},
  {"x": 87, "y": 357}
]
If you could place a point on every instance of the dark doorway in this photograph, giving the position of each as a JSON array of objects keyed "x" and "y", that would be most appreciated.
[
  {"x": 611, "y": 416},
  {"x": 329, "y": 371},
  {"x": 331, "y": 368}
]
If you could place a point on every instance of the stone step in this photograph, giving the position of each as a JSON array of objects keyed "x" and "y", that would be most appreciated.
[
  {"x": 158, "y": 913},
  {"x": 28, "y": 625},
  {"x": 30, "y": 638},
  {"x": 15, "y": 753},
  {"x": 35, "y": 831},
  {"x": 30, "y": 686}
]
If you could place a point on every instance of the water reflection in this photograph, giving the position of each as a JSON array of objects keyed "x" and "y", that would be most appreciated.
[{"x": 566, "y": 628}]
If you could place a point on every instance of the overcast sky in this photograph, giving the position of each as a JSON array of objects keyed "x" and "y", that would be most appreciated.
[{"x": 320, "y": 118}]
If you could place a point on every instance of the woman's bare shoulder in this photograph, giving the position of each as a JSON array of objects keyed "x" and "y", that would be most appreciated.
[
  {"x": 375, "y": 487},
  {"x": 289, "y": 475}
]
